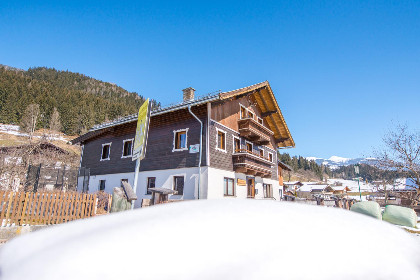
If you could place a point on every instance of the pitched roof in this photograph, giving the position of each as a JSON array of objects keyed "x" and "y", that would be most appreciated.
[
  {"x": 263, "y": 95},
  {"x": 284, "y": 166},
  {"x": 268, "y": 104}
]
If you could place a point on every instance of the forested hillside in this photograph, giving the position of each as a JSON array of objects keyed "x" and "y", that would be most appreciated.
[
  {"x": 367, "y": 172},
  {"x": 304, "y": 169},
  {"x": 81, "y": 101}
]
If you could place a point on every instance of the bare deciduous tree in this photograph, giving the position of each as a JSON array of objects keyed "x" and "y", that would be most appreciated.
[
  {"x": 402, "y": 153},
  {"x": 30, "y": 119},
  {"x": 55, "y": 124}
]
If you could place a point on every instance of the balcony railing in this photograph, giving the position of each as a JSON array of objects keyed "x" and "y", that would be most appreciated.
[
  {"x": 250, "y": 163},
  {"x": 254, "y": 131}
]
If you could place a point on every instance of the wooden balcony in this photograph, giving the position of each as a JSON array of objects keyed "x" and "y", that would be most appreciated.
[
  {"x": 250, "y": 163},
  {"x": 254, "y": 131}
]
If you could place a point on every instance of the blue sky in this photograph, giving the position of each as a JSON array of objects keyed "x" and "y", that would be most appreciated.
[{"x": 341, "y": 71}]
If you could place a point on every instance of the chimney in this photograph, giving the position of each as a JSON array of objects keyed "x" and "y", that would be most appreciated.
[{"x": 188, "y": 94}]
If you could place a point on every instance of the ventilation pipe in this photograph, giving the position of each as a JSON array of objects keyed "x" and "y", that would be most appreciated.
[{"x": 201, "y": 146}]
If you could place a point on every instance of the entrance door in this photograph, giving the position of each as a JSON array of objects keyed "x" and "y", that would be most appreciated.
[{"x": 251, "y": 187}]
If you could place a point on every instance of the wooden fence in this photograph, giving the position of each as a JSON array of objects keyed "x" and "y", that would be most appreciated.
[{"x": 45, "y": 208}]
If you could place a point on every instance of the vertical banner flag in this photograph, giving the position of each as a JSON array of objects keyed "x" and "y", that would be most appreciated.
[{"x": 140, "y": 142}]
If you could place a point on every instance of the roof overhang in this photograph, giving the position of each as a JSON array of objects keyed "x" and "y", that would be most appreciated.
[
  {"x": 270, "y": 111},
  {"x": 284, "y": 166}
]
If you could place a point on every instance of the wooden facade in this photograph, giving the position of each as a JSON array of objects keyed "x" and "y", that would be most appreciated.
[
  {"x": 240, "y": 116},
  {"x": 159, "y": 153}
]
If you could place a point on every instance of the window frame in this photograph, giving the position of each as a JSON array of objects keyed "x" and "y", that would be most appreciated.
[
  {"x": 132, "y": 146},
  {"x": 262, "y": 121},
  {"x": 174, "y": 149},
  {"x": 272, "y": 157},
  {"x": 217, "y": 140},
  {"x": 233, "y": 143},
  {"x": 246, "y": 146},
  {"x": 123, "y": 180},
  {"x": 109, "y": 151},
  {"x": 263, "y": 152},
  {"x": 225, "y": 187},
  {"x": 147, "y": 184},
  {"x": 271, "y": 194},
  {"x": 174, "y": 184},
  {"x": 240, "y": 111},
  {"x": 99, "y": 187}
]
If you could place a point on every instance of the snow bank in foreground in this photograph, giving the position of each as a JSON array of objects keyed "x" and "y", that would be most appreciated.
[{"x": 217, "y": 240}]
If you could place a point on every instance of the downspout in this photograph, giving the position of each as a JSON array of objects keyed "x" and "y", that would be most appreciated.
[
  {"x": 201, "y": 149},
  {"x": 80, "y": 166}
]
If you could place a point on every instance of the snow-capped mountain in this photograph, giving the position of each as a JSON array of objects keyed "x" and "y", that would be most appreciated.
[{"x": 335, "y": 161}]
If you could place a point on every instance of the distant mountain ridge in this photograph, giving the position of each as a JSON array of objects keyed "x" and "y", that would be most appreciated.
[{"x": 336, "y": 161}]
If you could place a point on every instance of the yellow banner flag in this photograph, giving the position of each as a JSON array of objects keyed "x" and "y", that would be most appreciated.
[{"x": 140, "y": 142}]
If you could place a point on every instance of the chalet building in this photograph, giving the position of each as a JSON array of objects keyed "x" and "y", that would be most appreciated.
[{"x": 239, "y": 132}]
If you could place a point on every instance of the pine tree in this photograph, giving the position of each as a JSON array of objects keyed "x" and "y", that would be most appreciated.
[{"x": 55, "y": 124}]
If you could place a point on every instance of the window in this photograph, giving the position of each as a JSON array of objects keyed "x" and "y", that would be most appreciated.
[
  {"x": 243, "y": 112},
  {"x": 106, "y": 149},
  {"x": 179, "y": 184},
  {"x": 268, "y": 190},
  {"x": 229, "y": 187},
  {"x": 127, "y": 148},
  {"x": 260, "y": 120},
  {"x": 221, "y": 140},
  {"x": 261, "y": 153},
  {"x": 250, "y": 115},
  {"x": 123, "y": 180},
  {"x": 270, "y": 157},
  {"x": 249, "y": 147},
  {"x": 101, "y": 185},
  {"x": 236, "y": 144},
  {"x": 180, "y": 140},
  {"x": 151, "y": 183}
]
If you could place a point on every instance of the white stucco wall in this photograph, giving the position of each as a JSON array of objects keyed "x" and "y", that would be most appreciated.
[
  {"x": 212, "y": 186},
  {"x": 215, "y": 185},
  {"x": 165, "y": 179},
  {"x": 112, "y": 181}
]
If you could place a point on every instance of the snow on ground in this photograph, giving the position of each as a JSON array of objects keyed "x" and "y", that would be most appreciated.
[
  {"x": 9, "y": 127},
  {"x": 15, "y": 130},
  {"x": 12, "y": 129},
  {"x": 309, "y": 186},
  {"x": 217, "y": 239},
  {"x": 353, "y": 185}
]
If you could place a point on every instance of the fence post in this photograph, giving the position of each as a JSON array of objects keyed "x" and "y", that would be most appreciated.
[
  {"x": 96, "y": 206},
  {"x": 37, "y": 178},
  {"x": 25, "y": 203},
  {"x": 8, "y": 207}
]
